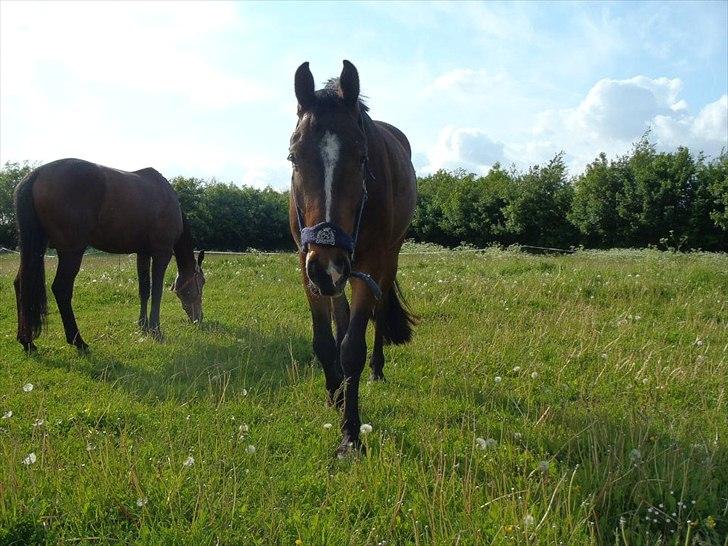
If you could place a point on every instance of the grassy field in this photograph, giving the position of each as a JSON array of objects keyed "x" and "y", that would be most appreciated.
[{"x": 544, "y": 400}]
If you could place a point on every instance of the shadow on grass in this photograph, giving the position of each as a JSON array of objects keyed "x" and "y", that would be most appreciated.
[{"x": 219, "y": 361}]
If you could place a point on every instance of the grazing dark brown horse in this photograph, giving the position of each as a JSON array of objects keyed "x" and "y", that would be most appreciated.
[
  {"x": 70, "y": 204},
  {"x": 353, "y": 193}
]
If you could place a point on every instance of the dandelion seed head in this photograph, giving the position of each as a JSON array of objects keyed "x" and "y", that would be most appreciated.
[
  {"x": 516, "y": 369},
  {"x": 28, "y": 387},
  {"x": 534, "y": 375},
  {"x": 30, "y": 459},
  {"x": 498, "y": 379},
  {"x": 365, "y": 428},
  {"x": 250, "y": 449},
  {"x": 327, "y": 426},
  {"x": 141, "y": 501},
  {"x": 528, "y": 520}
]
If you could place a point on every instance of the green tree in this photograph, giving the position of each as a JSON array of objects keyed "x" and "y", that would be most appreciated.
[
  {"x": 10, "y": 175},
  {"x": 538, "y": 206}
]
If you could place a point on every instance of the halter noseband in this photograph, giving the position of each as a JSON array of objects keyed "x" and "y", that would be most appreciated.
[{"x": 330, "y": 234}]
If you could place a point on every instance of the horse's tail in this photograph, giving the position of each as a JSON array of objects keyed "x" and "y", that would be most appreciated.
[
  {"x": 30, "y": 282},
  {"x": 395, "y": 319}
]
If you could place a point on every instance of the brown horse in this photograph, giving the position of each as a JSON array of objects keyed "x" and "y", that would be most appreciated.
[
  {"x": 353, "y": 194},
  {"x": 70, "y": 204}
]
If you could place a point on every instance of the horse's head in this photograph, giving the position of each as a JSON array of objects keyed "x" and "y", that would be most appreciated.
[
  {"x": 329, "y": 152},
  {"x": 188, "y": 287}
]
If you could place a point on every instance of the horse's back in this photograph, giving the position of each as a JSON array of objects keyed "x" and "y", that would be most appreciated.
[{"x": 81, "y": 203}]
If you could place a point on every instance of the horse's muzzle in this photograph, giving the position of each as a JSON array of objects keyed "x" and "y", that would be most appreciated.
[{"x": 328, "y": 275}]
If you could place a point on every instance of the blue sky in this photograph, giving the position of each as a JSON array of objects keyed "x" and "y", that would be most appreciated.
[{"x": 205, "y": 89}]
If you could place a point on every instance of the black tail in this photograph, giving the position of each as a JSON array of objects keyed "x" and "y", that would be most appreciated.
[
  {"x": 30, "y": 282},
  {"x": 395, "y": 320}
]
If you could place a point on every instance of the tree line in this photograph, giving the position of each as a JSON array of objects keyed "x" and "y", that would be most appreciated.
[{"x": 671, "y": 200}]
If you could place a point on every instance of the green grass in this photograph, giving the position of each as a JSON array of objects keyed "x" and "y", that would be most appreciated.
[{"x": 610, "y": 414}]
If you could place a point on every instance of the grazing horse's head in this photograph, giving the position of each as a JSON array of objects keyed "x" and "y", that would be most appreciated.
[
  {"x": 329, "y": 152},
  {"x": 188, "y": 287}
]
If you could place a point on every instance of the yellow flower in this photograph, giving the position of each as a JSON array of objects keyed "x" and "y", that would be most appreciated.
[
  {"x": 299, "y": 542},
  {"x": 710, "y": 522},
  {"x": 508, "y": 528}
]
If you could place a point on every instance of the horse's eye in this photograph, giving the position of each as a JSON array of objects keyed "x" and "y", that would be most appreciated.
[{"x": 292, "y": 158}]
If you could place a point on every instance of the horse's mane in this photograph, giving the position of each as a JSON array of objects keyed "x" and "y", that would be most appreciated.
[{"x": 330, "y": 95}]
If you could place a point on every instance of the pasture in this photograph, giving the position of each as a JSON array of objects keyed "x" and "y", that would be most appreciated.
[{"x": 544, "y": 400}]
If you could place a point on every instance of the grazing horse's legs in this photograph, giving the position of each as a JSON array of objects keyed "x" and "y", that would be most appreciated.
[
  {"x": 159, "y": 266},
  {"x": 353, "y": 355},
  {"x": 68, "y": 266},
  {"x": 143, "y": 263}
]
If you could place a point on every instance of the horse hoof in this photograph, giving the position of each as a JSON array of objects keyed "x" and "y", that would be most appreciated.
[
  {"x": 29, "y": 347},
  {"x": 157, "y": 334},
  {"x": 349, "y": 448},
  {"x": 377, "y": 376},
  {"x": 83, "y": 349}
]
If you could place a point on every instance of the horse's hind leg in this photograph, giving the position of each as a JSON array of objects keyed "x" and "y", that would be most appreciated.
[
  {"x": 143, "y": 263},
  {"x": 377, "y": 359},
  {"x": 68, "y": 266},
  {"x": 159, "y": 266},
  {"x": 340, "y": 306}
]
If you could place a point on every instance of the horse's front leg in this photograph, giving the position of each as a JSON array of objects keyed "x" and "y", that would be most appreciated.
[
  {"x": 324, "y": 346},
  {"x": 353, "y": 355}
]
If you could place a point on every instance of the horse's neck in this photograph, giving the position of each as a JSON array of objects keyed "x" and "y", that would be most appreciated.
[{"x": 185, "y": 261}]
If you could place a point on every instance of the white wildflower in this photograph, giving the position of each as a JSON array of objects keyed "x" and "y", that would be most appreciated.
[
  {"x": 528, "y": 520},
  {"x": 516, "y": 369},
  {"x": 534, "y": 375},
  {"x": 141, "y": 501},
  {"x": 327, "y": 426},
  {"x": 486, "y": 443},
  {"x": 28, "y": 387},
  {"x": 635, "y": 455},
  {"x": 250, "y": 449},
  {"x": 365, "y": 428},
  {"x": 30, "y": 459},
  {"x": 498, "y": 379},
  {"x": 189, "y": 461},
  {"x": 38, "y": 423},
  {"x": 8, "y": 414}
]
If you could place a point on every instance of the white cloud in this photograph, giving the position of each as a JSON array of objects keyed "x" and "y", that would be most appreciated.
[
  {"x": 153, "y": 48},
  {"x": 616, "y": 113},
  {"x": 470, "y": 149}
]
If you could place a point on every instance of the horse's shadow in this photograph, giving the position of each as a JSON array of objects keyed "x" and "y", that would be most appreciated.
[{"x": 217, "y": 360}]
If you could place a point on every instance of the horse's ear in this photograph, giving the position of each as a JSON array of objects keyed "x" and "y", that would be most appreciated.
[
  {"x": 173, "y": 286},
  {"x": 304, "y": 86},
  {"x": 200, "y": 257},
  {"x": 349, "y": 83}
]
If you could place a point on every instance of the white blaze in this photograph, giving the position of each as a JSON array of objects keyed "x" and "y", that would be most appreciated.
[{"x": 330, "y": 156}]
